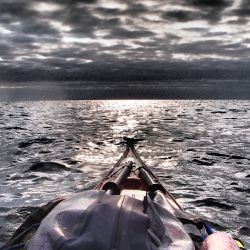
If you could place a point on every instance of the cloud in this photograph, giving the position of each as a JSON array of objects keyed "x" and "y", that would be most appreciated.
[
  {"x": 210, "y": 3},
  {"x": 212, "y": 49},
  {"x": 101, "y": 39},
  {"x": 122, "y": 33},
  {"x": 42, "y": 27},
  {"x": 210, "y": 10},
  {"x": 76, "y": 2},
  {"x": 243, "y": 10},
  {"x": 178, "y": 15},
  {"x": 5, "y": 49}
]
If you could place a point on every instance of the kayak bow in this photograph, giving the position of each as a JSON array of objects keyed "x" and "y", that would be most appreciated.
[{"x": 135, "y": 177}]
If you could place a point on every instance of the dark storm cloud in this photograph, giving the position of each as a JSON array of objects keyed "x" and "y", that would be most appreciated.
[
  {"x": 131, "y": 10},
  {"x": 80, "y": 19},
  {"x": 178, "y": 15},
  {"x": 5, "y": 49},
  {"x": 243, "y": 9},
  {"x": 75, "y": 2},
  {"x": 210, "y": 10},
  {"x": 210, "y": 3},
  {"x": 210, "y": 15},
  {"x": 211, "y": 47},
  {"x": 12, "y": 9},
  {"x": 22, "y": 39},
  {"x": 129, "y": 34},
  {"x": 75, "y": 53},
  {"x": 135, "y": 9},
  {"x": 97, "y": 39},
  {"x": 41, "y": 27}
]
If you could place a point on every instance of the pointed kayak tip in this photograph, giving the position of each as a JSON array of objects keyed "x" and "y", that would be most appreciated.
[{"x": 131, "y": 141}]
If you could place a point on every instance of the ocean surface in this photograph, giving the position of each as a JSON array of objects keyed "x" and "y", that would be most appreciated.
[{"x": 199, "y": 149}]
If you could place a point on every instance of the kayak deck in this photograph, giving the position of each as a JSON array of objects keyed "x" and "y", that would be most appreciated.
[{"x": 136, "y": 180}]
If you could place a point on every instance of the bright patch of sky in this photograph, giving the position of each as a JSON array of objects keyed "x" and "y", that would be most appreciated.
[
  {"x": 4, "y": 31},
  {"x": 191, "y": 57},
  {"x": 46, "y": 6},
  {"x": 112, "y": 5},
  {"x": 61, "y": 27}
]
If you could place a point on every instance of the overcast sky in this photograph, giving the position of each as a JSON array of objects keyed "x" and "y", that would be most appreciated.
[{"x": 127, "y": 39}]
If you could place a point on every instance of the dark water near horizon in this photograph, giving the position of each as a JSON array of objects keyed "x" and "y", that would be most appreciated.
[{"x": 199, "y": 149}]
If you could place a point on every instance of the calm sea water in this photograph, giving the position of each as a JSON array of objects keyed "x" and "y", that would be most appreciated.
[{"x": 199, "y": 149}]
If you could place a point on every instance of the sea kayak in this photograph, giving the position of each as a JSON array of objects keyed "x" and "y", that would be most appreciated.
[{"x": 128, "y": 209}]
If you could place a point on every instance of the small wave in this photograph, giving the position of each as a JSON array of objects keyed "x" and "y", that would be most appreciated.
[
  {"x": 71, "y": 161},
  {"x": 178, "y": 140},
  {"x": 230, "y": 156},
  {"x": 238, "y": 157},
  {"x": 244, "y": 214},
  {"x": 51, "y": 167},
  {"x": 242, "y": 190},
  {"x": 237, "y": 110},
  {"x": 245, "y": 231},
  {"x": 48, "y": 167},
  {"x": 210, "y": 202},
  {"x": 14, "y": 128},
  {"x": 43, "y": 152},
  {"x": 33, "y": 141},
  {"x": 218, "y": 154},
  {"x": 218, "y": 112},
  {"x": 203, "y": 161},
  {"x": 17, "y": 177}
]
